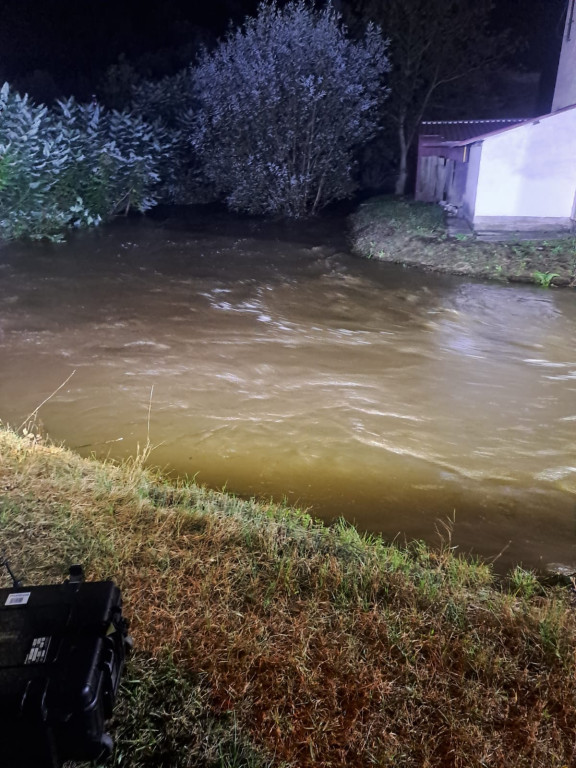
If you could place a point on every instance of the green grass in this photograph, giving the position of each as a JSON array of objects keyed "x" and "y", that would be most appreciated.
[
  {"x": 407, "y": 217},
  {"x": 264, "y": 638},
  {"x": 414, "y": 234}
]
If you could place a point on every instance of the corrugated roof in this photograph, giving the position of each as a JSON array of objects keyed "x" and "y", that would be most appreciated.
[{"x": 464, "y": 130}]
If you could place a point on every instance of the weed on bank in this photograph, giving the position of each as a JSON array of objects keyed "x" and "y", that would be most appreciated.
[{"x": 264, "y": 638}]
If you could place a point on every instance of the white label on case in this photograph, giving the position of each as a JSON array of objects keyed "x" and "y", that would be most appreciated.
[{"x": 17, "y": 598}]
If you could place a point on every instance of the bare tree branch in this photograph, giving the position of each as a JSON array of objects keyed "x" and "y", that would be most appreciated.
[{"x": 434, "y": 44}]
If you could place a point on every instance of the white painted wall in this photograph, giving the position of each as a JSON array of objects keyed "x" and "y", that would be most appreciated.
[
  {"x": 529, "y": 170},
  {"x": 565, "y": 90},
  {"x": 469, "y": 199}
]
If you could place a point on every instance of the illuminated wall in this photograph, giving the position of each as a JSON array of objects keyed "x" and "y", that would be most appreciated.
[
  {"x": 526, "y": 175},
  {"x": 565, "y": 90}
]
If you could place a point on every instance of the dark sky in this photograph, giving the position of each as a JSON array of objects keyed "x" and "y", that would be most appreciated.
[
  {"x": 539, "y": 24},
  {"x": 74, "y": 40},
  {"x": 71, "y": 42}
]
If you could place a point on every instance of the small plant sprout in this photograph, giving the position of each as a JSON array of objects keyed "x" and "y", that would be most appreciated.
[
  {"x": 544, "y": 278},
  {"x": 524, "y": 583}
]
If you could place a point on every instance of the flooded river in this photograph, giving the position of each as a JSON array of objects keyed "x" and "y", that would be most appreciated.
[{"x": 267, "y": 359}]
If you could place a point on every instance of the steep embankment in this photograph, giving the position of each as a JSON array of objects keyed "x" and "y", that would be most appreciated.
[{"x": 265, "y": 639}]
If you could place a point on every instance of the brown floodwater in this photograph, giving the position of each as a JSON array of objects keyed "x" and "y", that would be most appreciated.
[{"x": 266, "y": 359}]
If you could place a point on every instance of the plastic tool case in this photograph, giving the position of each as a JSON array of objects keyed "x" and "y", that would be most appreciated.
[{"x": 62, "y": 652}]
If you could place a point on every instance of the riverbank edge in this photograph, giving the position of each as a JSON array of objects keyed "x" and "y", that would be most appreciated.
[
  {"x": 265, "y": 638},
  {"x": 414, "y": 234}
]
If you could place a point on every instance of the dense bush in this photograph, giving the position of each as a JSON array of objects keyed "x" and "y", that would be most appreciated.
[
  {"x": 72, "y": 166},
  {"x": 169, "y": 99},
  {"x": 282, "y": 104},
  {"x": 170, "y": 103}
]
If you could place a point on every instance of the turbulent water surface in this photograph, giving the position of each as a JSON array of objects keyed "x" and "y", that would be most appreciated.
[{"x": 267, "y": 359}]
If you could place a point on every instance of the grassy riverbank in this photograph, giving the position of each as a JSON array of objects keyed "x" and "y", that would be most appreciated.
[
  {"x": 266, "y": 639},
  {"x": 414, "y": 234}
]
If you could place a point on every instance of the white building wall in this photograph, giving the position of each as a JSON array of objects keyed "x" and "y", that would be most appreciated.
[
  {"x": 565, "y": 90},
  {"x": 473, "y": 162},
  {"x": 530, "y": 170}
]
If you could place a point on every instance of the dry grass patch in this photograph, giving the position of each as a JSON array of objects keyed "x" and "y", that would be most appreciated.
[{"x": 265, "y": 638}]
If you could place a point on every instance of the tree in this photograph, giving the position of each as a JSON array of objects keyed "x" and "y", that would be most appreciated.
[
  {"x": 283, "y": 101},
  {"x": 434, "y": 45}
]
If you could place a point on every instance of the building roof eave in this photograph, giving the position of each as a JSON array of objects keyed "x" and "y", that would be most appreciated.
[{"x": 513, "y": 124}]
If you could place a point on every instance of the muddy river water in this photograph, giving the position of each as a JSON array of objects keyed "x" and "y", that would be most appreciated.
[{"x": 267, "y": 359}]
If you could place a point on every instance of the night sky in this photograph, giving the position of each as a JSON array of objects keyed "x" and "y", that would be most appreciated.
[
  {"x": 73, "y": 41},
  {"x": 64, "y": 46}
]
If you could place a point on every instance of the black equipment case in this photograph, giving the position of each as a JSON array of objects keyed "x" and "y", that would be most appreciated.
[{"x": 62, "y": 653}]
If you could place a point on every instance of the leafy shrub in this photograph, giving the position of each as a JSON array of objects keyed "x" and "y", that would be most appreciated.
[
  {"x": 72, "y": 166},
  {"x": 283, "y": 103},
  {"x": 168, "y": 99},
  {"x": 169, "y": 102}
]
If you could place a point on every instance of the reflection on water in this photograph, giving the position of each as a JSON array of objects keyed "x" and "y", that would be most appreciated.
[{"x": 280, "y": 366}]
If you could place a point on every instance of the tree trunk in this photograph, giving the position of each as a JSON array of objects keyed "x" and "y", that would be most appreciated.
[{"x": 402, "y": 177}]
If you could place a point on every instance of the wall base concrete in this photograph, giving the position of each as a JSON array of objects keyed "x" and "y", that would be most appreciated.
[{"x": 506, "y": 224}]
